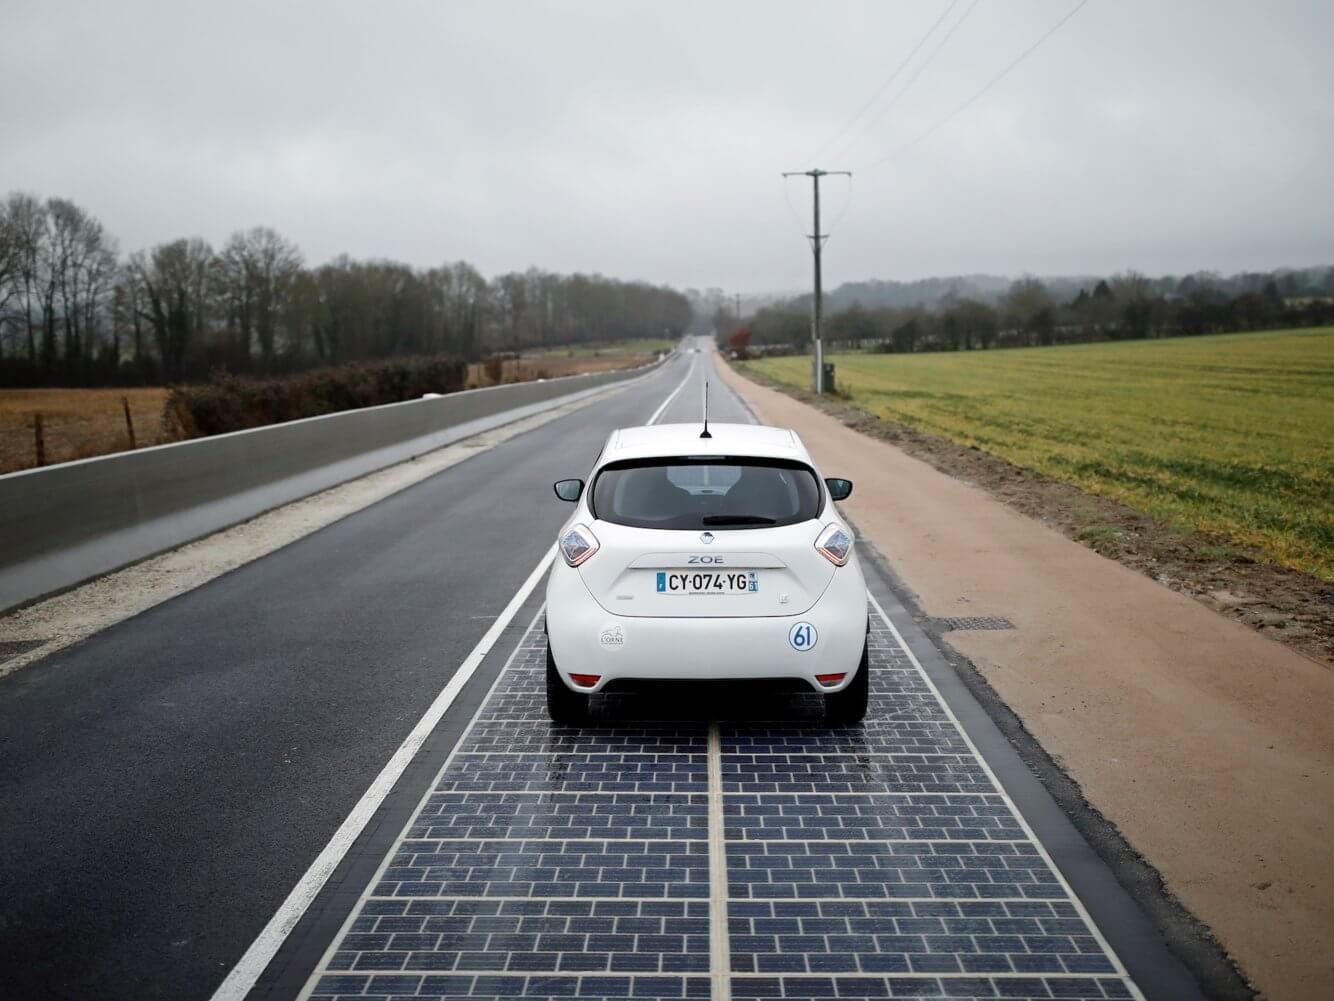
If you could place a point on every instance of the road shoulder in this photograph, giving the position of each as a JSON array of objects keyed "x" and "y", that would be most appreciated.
[{"x": 1207, "y": 746}]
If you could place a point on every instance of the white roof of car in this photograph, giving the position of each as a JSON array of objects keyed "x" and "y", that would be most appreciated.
[{"x": 683, "y": 439}]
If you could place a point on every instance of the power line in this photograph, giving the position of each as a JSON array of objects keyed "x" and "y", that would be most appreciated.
[
  {"x": 847, "y": 204},
  {"x": 921, "y": 68},
  {"x": 986, "y": 87},
  {"x": 885, "y": 86},
  {"x": 787, "y": 197}
]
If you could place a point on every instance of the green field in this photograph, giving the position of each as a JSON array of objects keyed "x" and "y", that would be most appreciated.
[{"x": 1231, "y": 434}]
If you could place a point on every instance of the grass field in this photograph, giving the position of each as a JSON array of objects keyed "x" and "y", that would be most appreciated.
[
  {"x": 1232, "y": 434},
  {"x": 77, "y": 423}
]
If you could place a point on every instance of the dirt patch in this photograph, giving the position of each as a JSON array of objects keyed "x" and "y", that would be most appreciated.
[
  {"x": 77, "y": 423},
  {"x": 1287, "y": 605}
]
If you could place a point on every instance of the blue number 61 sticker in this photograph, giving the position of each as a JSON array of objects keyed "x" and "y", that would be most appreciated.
[{"x": 802, "y": 636}]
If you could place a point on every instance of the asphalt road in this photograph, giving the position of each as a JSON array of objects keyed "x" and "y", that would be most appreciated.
[{"x": 168, "y": 781}]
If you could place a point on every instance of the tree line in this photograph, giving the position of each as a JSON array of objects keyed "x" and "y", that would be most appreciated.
[
  {"x": 1031, "y": 312},
  {"x": 74, "y": 312}
]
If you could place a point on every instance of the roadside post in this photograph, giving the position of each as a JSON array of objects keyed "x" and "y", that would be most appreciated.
[
  {"x": 39, "y": 438},
  {"x": 129, "y": 424}
]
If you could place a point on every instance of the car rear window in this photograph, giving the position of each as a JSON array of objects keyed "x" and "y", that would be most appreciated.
[{"x": 706, "y": 492}]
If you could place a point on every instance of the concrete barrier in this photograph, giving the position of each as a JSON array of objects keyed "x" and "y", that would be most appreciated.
[{"x": 64, "y": 524}]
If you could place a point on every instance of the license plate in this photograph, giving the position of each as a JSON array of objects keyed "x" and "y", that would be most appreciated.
[{"x": 708, "y": 582}]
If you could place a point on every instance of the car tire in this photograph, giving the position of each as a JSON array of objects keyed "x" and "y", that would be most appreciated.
[
  {"x": 565, "y": 707},
  {"x": 849, "y": 705}
]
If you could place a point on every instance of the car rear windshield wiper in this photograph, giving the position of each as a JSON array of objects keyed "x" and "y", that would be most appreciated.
[{"x": 738, "y": 519}]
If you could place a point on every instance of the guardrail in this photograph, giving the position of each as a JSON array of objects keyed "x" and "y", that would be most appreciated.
[{"x": 61, "y": 525}]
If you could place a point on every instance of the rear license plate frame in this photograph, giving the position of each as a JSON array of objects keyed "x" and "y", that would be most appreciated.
[{"x": 706, "y": 583}]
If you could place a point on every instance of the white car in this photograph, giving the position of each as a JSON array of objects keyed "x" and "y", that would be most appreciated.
[{"x": 696, "y": 557}]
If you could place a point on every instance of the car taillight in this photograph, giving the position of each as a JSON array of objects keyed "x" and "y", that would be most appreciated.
[
  {"x": 587, "y": 680},
  {"x": 834, "y": 544},
  {"x": 830, "y": 679},
  {"x": 577, "y": 545}
]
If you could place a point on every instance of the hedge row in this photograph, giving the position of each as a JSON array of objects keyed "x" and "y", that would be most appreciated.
[{"x": 232, "y": 403}]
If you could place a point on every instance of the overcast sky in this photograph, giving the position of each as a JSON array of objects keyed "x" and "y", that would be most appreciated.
[{"x": 645, "y": 139}]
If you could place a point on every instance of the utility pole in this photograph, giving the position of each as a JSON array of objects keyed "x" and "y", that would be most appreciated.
[
  {"x": 738, "y": 310},
  {"x": 817, "y": 244}
]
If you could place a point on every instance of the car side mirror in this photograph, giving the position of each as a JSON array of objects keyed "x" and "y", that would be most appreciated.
[
  {"x": 569, "y": 490},
  {"x": 838, "y": 489}
]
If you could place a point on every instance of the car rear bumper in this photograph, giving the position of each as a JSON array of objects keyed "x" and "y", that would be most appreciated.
[{"x": 586, "y": 639}]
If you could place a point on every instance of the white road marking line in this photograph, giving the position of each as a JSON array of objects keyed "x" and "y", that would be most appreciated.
[
  {"x": 720, "y": 952},
  {"x": 1022, "y": 820},
  {"x": 368, "y": 893},
  {"x": 668, "y": 402},
  {"x": 252, "y": 964}
]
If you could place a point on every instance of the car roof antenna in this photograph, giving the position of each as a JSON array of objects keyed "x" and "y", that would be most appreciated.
[{"x": 705, "y": 432}]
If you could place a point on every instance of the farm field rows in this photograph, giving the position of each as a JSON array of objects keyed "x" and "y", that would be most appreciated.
[{"x": 1230, "y": 434}]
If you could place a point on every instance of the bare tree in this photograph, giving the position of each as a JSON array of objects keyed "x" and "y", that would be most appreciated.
[
  {"x": 258, "y": 271},
  {"x": 28, "y": 224},
  {"x": 98, "y": 282},
  {"x": 81, "y": 261},
  {"x": 511, "y": 296},
  {"x": 69, "y": 312},
  {"x": 468, "y": 298},
  {"x": 10, "y": 286},
  {"x": 176, "y": 283},
  {"x": 129, "y": 312}
]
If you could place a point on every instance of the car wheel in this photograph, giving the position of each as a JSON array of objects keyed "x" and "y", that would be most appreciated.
[
  {"x": 563, "y": 706},
  {"x": 849, "y": 705}
]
